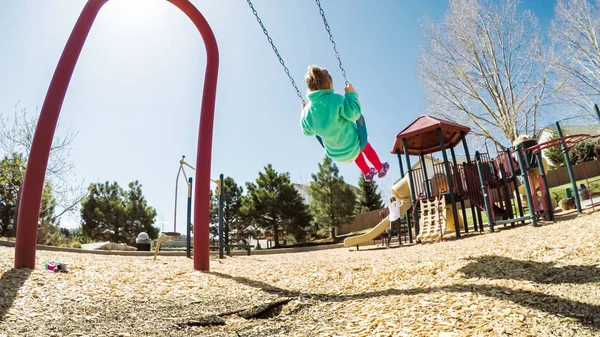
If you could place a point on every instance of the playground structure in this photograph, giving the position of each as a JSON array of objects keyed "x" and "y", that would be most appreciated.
[
  {"x": 433, "y": 218},
  {"x": 567, "y": 144},
  {"x": 436, "y": 197},
  {"x": 425, "y": 136},
  {"x": 221, "y": 246},
  {"x": 174, "y": 234}
]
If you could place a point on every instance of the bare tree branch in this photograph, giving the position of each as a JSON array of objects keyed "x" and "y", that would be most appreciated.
[
  {"x": 16, "y": 136},
  {"x": 484, "y": 65},
  {"x": 575, "y": 31}
]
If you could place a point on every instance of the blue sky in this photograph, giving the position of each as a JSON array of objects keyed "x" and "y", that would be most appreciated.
[{"x": 136, "y": 91}]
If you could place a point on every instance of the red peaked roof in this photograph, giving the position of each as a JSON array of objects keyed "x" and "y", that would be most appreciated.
[{"x": 422, "y": 136}]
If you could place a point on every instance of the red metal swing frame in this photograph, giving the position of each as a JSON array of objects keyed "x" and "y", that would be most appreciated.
[{"x": 25, "y": 248}]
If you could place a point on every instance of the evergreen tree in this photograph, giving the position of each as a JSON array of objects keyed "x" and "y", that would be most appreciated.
[
  {"x": 583, "y": 152},
  {"x": 234, "y": 228},
  {"x": 140, "y": 216},
  {"x": 273, "y": 205},
  {"x": 12, "y": 173},
  {"x": 369, "y": 199},
  {"x": 332, "y": 199},
  {"x": 580, "y": 153},
  {"x": 554, "y": 154},
  {"x": 110, "y": 213},
  {"x": 214, "y": 215}
]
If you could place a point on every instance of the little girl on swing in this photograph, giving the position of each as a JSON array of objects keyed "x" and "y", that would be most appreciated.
[{"x": 332, "y": 118}]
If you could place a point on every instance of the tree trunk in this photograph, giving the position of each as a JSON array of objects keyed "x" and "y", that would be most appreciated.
[
  {"x": 4, "y": 225},
  {"x": 332, "y": 234},
  {"x": 16, "y": 218},
  {"x": 275, "y": 236},
  {"x": 115, "y": 237},
  {"x": 226, "y": 236}
]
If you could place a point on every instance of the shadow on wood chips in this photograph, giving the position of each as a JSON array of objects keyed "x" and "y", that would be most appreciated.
[
  {"x": 586, "y": 314},
  {"x": 10, "y": 283},
  {"x": 499, "y": 267}
]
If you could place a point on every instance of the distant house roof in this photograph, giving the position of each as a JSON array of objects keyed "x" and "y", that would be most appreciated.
[
  {"x": 422, "y": 136},
  {"x": 302, "y": 187},
  {"x": 427, "y": 158},
  {"x": 459, "y": 160},
  {"x": 573, "y": 130}
]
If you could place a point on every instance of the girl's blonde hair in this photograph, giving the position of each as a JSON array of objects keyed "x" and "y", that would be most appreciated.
[{"x": 318, "y": 78}]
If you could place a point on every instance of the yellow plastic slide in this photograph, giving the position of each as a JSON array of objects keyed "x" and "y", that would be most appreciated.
[
  {"x": 402, "y": 193},
  {"x": 534, "y": 173},
  {"x": 370, "y": 235}
]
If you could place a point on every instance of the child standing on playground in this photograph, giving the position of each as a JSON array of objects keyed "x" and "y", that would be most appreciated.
[
  {"x": 331, "y": 117},
  {"x": 394, "y": 208}
]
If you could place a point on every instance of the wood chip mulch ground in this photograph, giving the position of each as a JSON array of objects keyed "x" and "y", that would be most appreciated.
[{"x": 522, "y": 281}]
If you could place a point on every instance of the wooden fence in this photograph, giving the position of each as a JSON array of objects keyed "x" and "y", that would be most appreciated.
[
  {"x": 560, "y": 176},
  {"x": 362, "y": 221}
]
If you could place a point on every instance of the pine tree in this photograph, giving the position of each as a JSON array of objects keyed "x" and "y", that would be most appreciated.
[
  {"x": 273, "y": 205},
  {"x": 580, "y": 153},
  {"x": 140, "y": 216},
  {"x": 583, "y": 152},
  {"x": 111, "y": 213},
  {"x": 369, "y": 199},
  {"x": 214, "y": 215},
  {"x": 554, "y": 154},
  {"x": 234, "y": 228},
  {"x": 12, "y": 173},
  {"x": 332, "y": 199}
]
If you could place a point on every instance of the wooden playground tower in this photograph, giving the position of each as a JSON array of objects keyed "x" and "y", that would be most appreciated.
[
  {"x": 502, "y": 187},
  {"x": 425, "y": 136}
]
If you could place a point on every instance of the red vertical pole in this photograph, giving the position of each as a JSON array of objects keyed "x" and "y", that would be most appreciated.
[
  {"x": 29, "y": 209},
  {"x": 205, "y": 135}
]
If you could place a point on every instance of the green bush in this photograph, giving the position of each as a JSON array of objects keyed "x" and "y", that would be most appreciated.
[{"x": 82, "y": 239}]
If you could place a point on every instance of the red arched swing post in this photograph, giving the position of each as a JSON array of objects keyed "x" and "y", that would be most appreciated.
[{"x": 29, "y": 208}]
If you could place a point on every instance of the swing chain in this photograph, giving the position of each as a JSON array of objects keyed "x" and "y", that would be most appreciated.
[
  {"x": 285, "y": 68},
  {"x": 332, "y": 41}
]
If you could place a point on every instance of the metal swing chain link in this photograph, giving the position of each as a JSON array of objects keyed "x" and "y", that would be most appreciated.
[
  {"x": 287, "y": 71},
  {"x": 337, "y": 55}
]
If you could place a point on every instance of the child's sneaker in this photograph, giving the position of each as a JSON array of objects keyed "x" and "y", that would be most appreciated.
[
  {"x": 371, "y": 174},
  {"x": 384, "y": 170}
]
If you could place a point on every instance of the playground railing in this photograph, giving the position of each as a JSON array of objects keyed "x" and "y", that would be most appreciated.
[{"x": 473, "y": 192}]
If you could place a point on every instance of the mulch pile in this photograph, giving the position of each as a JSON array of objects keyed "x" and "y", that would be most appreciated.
[{"x": 518, "y": 282}]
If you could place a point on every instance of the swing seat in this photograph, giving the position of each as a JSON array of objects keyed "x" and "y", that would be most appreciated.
[{"x": 361, "y": 127}]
